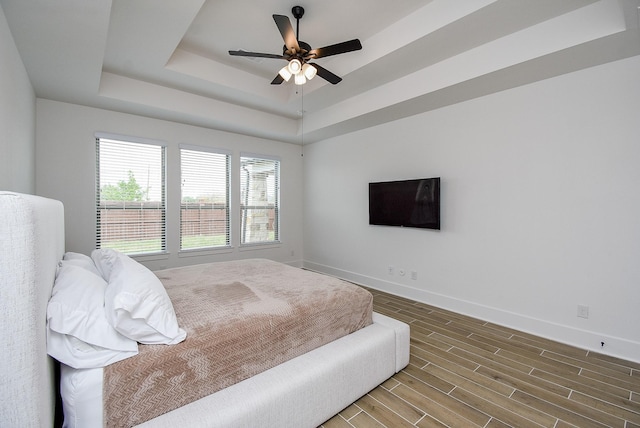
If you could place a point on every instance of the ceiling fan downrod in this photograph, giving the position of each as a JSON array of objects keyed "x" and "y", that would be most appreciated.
[{"x": 298, "y": 12}]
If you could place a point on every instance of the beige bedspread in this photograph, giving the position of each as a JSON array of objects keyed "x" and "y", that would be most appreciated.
[{"x": 241, "y": 318}]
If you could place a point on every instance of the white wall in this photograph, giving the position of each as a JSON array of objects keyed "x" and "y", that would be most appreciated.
[
  {"x": 17, "y": 118},
  {"x": 66, "y": 159},
  {"x": 540, "y": 207}
]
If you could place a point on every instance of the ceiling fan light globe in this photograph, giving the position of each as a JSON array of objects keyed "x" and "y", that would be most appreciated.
[
  {"x": 309, "y": 71},
  {"x": 294, "y": 66},
  {"x": 300, "y": 79},
  {"x": 284, "y": 73}
]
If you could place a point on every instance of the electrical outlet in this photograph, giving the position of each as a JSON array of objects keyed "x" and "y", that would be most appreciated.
[
  {"x": 390, "y": 270},
  {"x": 414, "y": 275},
  {"x": 583, "y": 311}
]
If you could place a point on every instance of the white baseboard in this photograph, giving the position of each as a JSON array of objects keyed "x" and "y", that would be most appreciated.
[
  {"x": 614, "y": 346},
  {"x": 295, "y": 263}
]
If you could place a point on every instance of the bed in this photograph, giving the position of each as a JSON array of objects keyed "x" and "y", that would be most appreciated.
[{"x": 303, "y": 391}]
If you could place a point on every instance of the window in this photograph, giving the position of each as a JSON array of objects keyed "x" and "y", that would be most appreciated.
[
  {"x": 260, "y": 199},
  {"x": 130, "y": 196},
  {"x": 204, "y": 206}
]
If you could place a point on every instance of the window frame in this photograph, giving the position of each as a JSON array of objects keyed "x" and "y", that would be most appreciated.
[
  {"x": 161, "y": 208},
  {"x": 228, "y": 204},
  {"x": 277, "y": 239}
]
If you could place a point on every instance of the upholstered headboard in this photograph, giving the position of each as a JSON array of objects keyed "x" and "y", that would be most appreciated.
[{"x": 31, "y": 244}]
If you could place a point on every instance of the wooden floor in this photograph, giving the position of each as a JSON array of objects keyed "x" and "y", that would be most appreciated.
[{"x": 468, "y": 373}]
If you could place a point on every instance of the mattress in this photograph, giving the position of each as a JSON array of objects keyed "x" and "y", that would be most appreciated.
[
  {"x": 241, "y": 318},
  {"x": 301, "y": 393}
]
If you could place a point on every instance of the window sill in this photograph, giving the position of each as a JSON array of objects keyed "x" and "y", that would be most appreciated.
[
  {"x": 197, "y": 252},
  {"x": 259, "y": 246},
  {"x": 150, "y": 257}
]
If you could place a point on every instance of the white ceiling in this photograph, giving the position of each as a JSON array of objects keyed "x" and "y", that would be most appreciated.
[{"x": 169, "y": 60}]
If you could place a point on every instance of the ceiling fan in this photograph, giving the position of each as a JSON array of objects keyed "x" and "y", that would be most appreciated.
[{"x": 298, "y": 53}]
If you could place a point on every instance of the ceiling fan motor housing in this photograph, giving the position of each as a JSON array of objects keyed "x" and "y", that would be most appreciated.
[{"x": 304, "y": 48}]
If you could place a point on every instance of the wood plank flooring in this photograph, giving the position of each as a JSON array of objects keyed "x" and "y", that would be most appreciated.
[{"x": 464, "y": 372}]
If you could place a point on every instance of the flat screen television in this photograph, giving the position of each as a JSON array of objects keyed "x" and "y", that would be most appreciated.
[{"x": 405, "y": 203}]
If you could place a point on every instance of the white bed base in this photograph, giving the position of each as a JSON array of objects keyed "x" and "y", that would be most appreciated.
[
  {"x": 308, "y": 390},
  {"x": 303, "y": 392}
]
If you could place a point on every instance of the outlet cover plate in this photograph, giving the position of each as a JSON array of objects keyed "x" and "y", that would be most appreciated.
[{"x": 583, "y": 311}]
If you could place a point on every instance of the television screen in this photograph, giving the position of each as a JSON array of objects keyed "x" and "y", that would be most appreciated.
[{"x": 406, "y": 203}]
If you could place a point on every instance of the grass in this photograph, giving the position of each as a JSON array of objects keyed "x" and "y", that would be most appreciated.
[
  {"x": 203, "y": 241},
  {"x": 155, "y": 245},
  {"x": 189, "y": 242}
]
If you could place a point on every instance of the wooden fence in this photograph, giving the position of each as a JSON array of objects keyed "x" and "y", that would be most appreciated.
[{"x": 143, "y": 220}]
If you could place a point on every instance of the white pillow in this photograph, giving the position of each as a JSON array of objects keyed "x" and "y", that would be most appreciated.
[
  {"x": 104, "y": 260},
  {"x": 81, "y": 260},
  {"x": 78, "y": 332},
  {"x": 136, "y": 302}
]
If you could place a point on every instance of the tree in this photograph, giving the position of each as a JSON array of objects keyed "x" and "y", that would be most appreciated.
[{"x": 124, "y": 191}]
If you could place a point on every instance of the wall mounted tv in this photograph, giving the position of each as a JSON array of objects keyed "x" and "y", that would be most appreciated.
[{"x": 406, "y": 203}]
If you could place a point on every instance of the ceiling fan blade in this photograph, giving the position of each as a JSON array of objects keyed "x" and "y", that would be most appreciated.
[
  {"x": 255, "y": 54},
  {"x": 338, "y": 48},
  {"x": 278, "y": 80},
  {"x": 326, "y": 74},
  {"x": 286, "y": 30}
]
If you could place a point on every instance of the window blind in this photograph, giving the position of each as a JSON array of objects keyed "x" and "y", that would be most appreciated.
[
  {"x": 204, "y": 208},
  {"x": 130, "y": 196},
  {"x": 259, "y": 199}
]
